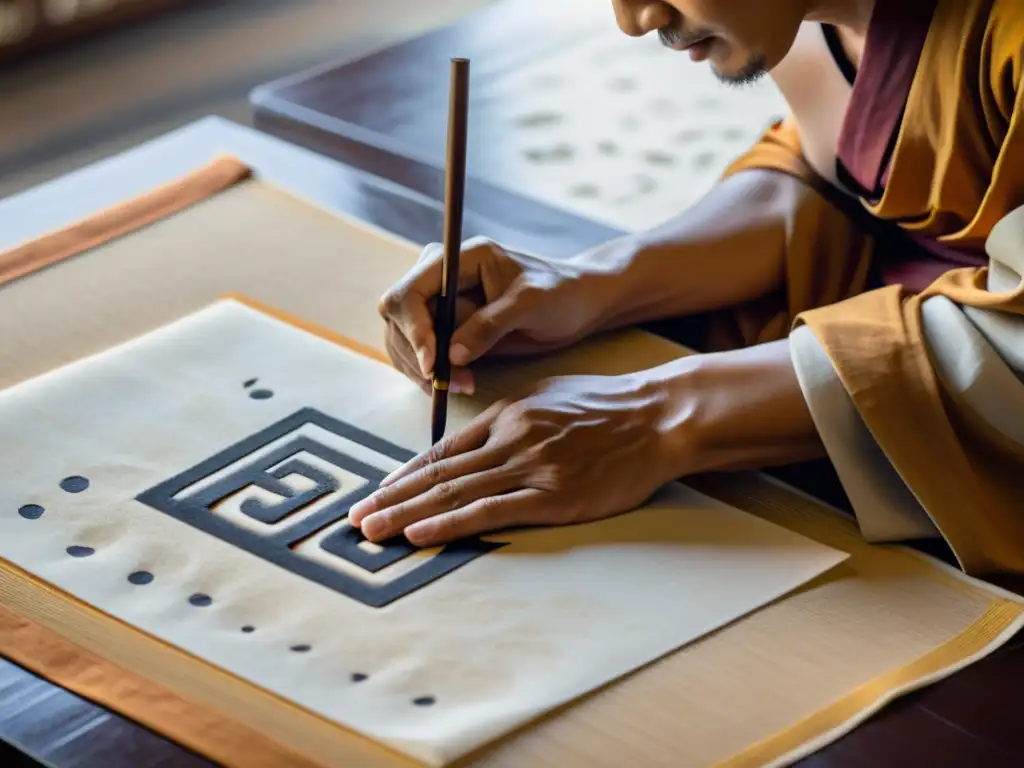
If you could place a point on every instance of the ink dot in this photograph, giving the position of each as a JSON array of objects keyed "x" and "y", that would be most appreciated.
[
  {"x": 302, "y": 648},
  {"x": 199, "y": 600},
  {"x": 424, "y": 701},
  {"x": 261, "y": 394},
  {"x": 140, "y": 578},
  {"x": 249, "y": 383},
  {"x": 74, "y": 484},
  {"x": 248, "y": 628},
  {"x": 76, "y": 551},
  {"x": 358, "y": 677},
  {"x": 31, "y": 511}
]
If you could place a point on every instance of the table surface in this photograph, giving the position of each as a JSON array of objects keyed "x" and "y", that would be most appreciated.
[{"x": 968, "y": 719}]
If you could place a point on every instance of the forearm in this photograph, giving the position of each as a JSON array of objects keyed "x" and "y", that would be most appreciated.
[
  {"x": 741, "y": 409},
  {"x": 727, "y": 249}
]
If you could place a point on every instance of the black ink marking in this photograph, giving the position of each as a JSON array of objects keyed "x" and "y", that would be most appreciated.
[
  {"x": 261, "y": 394},
  {"x": 539, "y": 119},
  {"x": 248, "y": 628},
  {"x": 302, "y": 648},
  {"x": 358, "y": 677},
  {"x": 140, "y": 578},
  {"x": 584, "y": 190},
  {"x": 199, "y": 600},
  {"x": 645, "y": 184},
  {"x": 31, "y": 511},
  {"x": 704, "y": 160},
  {"x": 250, "y": 383},
  {"x": 688, "y": 135},
  {"x": 424, "y": 701},
  {"x": 555, "y": 154},
  {"x": 267, "y": 472},
  {"x": 76, "y": 551},
  {"x": 658, "y": 158},
  {"x": 74, "y": 484}
]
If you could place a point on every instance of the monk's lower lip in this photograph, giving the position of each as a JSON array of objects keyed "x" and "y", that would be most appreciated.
[{"x": 700, "y": 50}]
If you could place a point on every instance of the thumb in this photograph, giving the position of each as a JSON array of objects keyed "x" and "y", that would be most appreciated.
[{"x": 487, "y": 326}]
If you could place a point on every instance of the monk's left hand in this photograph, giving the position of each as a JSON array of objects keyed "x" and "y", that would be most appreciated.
[{"x": 578, "y": 448}]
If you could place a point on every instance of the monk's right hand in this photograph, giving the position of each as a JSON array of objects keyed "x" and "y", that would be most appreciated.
[{"x": 508, "y": 304}]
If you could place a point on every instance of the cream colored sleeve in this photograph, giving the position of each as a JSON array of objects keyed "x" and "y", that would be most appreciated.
[{"x": 977, "y": 355}]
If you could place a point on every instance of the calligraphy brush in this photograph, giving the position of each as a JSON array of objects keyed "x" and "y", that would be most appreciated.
[{"x": 454, "y": 197}]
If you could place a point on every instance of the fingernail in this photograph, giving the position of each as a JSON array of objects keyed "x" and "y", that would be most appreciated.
[
  {"x": 417, "y": 532},
  {"x": 361, "y": 508},
  {"x": 372, "y": 527},
  {"x": 421, "y": 357},
  {"x": 455, "y": 388},
  {"x": 458, "y": 354}
]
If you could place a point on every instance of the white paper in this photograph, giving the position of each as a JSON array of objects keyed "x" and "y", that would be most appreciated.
[
  {"x": 517, "y": 631},
  {"x": 617, "y": 129}
]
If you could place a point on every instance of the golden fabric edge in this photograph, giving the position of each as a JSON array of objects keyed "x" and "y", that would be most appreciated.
[
  {"x": 975, "y": 639},
  {"x": 194, "y": 726},
  {"x": 72, "y": 240}
]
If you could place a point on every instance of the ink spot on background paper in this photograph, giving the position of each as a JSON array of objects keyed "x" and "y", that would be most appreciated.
[
  {"x": 140, "y": 578},
  {"x": 358, "y": 677},
  {"x": 248, "y": 628},
  {"x": 424, "y": 701},
  {"x": 31, "y": 511},
  {"x": 249, "y": 383},
  {"x": 199, "y": 600},
  {"x": 74, "y": 484},
  {"x": 301, "y": 648},
  {"x": 261, "y": 394},
  {"x": 541, "y": 119},
  {"x": 76, "y": 551}
]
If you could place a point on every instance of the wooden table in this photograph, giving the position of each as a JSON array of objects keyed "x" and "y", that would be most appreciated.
[{"x": 970, "y": 719}]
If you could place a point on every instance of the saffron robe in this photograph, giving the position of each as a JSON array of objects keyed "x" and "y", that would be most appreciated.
[{"x": 917, "y": 391}]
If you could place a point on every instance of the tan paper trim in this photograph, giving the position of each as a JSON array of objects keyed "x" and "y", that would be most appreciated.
[
  {"x": 121, "y": 219},
  {"x": 191, "y": 725}
]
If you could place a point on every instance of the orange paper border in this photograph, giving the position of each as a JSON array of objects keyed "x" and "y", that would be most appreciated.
[{"x": 219, "y": 174}]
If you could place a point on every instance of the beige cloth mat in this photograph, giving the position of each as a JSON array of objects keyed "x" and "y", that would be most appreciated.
[{"x": 772, "y": 686}]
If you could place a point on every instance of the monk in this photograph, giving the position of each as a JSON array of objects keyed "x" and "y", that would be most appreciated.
[{"x": 858, "y": 273}]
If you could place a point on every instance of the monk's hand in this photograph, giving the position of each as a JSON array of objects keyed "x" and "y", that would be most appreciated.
[
  {"x": 508, "y": 303},
  {"x": 578, "y": 448}
]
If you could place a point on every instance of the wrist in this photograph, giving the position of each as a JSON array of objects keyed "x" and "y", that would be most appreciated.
[
  {"x": 613, "y": 283},
  {"x": 735, "y": 410}
]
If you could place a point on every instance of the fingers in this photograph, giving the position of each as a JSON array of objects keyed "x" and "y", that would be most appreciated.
[
  {"x": 404, "y": 359},
  {"x": 431, "y": 499},
  {"x": 470, "y": 438},
  {"x": 489, "y": 325},
  {"x": 487, "y": 513},
  {"x": 407, "y": 303}
]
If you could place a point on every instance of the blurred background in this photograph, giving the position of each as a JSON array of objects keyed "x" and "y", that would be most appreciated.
[{"x": 83, "y": 79}]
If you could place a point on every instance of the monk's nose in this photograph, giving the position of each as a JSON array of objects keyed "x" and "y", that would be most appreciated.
[{"x": 639, "y": 17}]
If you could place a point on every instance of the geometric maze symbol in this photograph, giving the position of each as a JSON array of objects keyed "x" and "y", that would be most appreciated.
[{"x": 181, "y": 499}]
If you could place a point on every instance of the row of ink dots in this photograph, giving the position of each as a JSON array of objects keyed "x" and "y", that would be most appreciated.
[{"x": 78, "y": 484}]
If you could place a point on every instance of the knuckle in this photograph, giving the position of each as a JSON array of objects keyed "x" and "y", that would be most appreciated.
[
  {"x": 431, "y": 252},
  {"x": 390, "y": 304},
  {"x": 489, "y": 510},
  {"x": 448, "y": 493},
  {"x": 479, "y": 242},
  {"x": 434, "y": 471}
]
